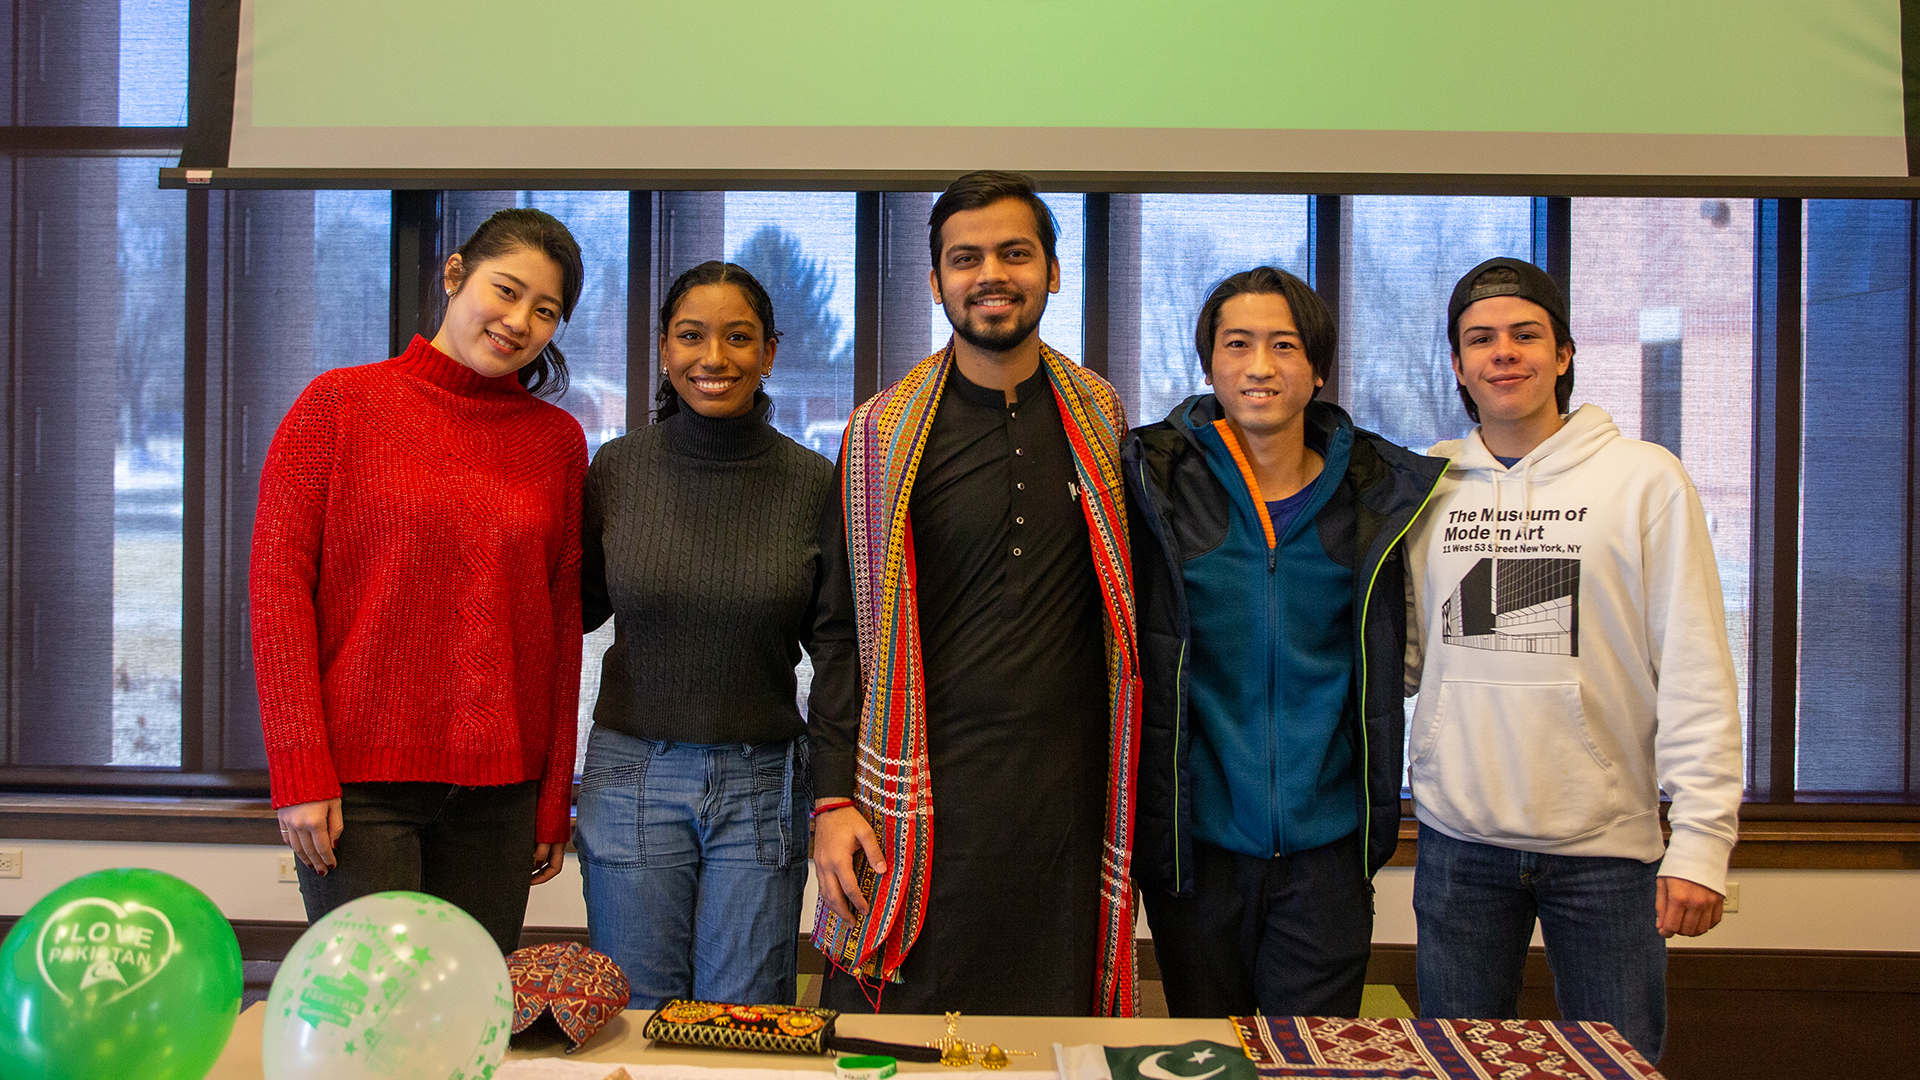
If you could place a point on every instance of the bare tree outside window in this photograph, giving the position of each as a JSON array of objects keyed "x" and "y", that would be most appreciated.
[
  {"x": 812, "y": 377},
  {"x": 149, "y": 462}
]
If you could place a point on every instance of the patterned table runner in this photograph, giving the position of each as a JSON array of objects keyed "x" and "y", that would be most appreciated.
[{"x": 1296, "y": 1046}]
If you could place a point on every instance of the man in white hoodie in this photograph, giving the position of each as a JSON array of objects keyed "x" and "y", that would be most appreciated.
[{"x": 1569, "y": 648}]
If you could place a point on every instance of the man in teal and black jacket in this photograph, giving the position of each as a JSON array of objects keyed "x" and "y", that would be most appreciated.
[{"x": 1271, "y": 589}]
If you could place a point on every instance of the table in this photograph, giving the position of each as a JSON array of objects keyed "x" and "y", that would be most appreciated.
[{"x": 621, "y": 1041}]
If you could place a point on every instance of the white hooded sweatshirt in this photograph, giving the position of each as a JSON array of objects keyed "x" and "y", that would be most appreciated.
[{"x": 1575, "y": 655}]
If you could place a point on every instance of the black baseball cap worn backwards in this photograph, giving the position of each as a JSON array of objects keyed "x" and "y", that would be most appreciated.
[{"x": 1532, "y": 284}]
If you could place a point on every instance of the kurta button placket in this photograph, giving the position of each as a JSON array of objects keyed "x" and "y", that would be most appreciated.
[{"x": 1014, "y": 596}]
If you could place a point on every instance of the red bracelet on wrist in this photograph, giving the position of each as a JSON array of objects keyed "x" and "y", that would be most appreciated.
[{"x": 831, "y": 805}]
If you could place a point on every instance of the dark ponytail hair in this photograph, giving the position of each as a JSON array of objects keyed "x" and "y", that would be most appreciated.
[
  {"x": 712, "y": 272},
  {"x": 534, "y": 230}
]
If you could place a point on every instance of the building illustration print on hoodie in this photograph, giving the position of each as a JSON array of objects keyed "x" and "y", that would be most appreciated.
[{"x": 1568, "y": 622}]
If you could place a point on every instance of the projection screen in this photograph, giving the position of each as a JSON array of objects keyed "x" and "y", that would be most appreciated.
[{"x": 1750, "y": 88}]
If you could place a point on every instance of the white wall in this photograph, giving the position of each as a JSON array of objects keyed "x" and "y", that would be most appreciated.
[
  {"x": 243, "y": 879},
  {"x": 1779, "y": 909}
]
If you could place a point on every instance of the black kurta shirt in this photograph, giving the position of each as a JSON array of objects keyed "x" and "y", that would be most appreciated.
[{"x": 1014, "y": 659}]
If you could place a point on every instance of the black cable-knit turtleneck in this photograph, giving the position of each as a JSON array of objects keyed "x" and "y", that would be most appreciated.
[{"x": 701, "y": 540}]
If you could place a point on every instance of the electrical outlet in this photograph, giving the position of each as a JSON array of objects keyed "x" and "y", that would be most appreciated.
[
  {"x": 1733, "y": 897},
  {"x": 10, "y": 860},
  {"x": 288, "y": 870}
]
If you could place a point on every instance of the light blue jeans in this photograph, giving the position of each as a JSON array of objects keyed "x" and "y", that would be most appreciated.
[
  {"x": 1475, "y": 905},
  {"x": 693, "y": 860}
]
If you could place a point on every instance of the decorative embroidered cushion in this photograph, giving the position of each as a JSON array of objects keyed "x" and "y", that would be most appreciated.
[{"x": 581, "y": 988}]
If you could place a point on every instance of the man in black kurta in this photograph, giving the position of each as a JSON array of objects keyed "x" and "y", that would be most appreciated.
[
  {"x": 1015, "y": 669},
  {"x": 1014, "y": 662}
]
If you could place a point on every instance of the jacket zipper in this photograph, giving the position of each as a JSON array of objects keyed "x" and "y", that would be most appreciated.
[
  {"x": 1366, "y": 603},
  {"x": 1275, "y": 828}
]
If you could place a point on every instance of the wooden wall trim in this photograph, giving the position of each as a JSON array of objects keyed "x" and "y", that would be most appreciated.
[
  {"x": 151, "y": 820},
  {"x": 1768, "y": 843},
  {"x": 1783, "y": 845},
  {"x": 1802, "y": 970}
]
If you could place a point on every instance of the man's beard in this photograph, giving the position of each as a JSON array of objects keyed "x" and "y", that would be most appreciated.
[{"x": 997, "y": 341}]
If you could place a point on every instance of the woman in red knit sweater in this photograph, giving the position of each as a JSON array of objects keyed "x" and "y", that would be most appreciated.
[{"x": 416, "y": 598}]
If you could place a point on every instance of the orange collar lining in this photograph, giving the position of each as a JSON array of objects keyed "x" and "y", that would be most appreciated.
[{"x": 1246, "y": 473}]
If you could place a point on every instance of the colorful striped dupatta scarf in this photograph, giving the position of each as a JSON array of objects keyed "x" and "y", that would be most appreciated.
[{"x": 884, "y": 441}]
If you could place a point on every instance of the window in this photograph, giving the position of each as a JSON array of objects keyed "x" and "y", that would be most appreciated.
[
  {"x": 1405, "y": 254},
  {"x": 150, "y": 367},
  {"x": 1662, "y": 302},
  {"x": 146, "y": 387},
  {"x": 1856, "y": 731},
  {"x": 149, "y": 459},
  {"x": 97, "y": 463},
  {"x": 153, "y": 63}
]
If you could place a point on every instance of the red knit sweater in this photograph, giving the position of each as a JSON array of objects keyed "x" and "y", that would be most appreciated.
[{"x": 416, "y": 584}]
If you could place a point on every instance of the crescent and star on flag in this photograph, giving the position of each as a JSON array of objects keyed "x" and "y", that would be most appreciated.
[{"x": 1151, "y": 1068}]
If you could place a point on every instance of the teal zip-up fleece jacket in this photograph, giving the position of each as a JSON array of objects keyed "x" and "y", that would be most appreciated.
[
  {"x": 1271, "y": 665},
  {"x": 1179, "y": 510}
]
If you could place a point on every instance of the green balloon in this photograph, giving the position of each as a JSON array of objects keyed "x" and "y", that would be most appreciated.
[{"x": 119, "y": 974}]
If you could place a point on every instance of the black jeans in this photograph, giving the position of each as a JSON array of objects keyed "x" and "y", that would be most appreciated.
[
  {"x": 469, "y": 846},
  {"x": 1288, "y": 936}
]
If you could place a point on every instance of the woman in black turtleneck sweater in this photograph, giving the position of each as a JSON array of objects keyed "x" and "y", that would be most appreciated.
[{"x": 700, "y": 540}]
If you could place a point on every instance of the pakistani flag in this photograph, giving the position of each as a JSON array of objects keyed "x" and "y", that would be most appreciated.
[{"x": 1197, "y": 1060}]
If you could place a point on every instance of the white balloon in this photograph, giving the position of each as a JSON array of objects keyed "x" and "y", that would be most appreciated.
[{"x": 397, "y": 985}]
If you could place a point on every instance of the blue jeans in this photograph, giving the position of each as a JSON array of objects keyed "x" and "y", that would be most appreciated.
[
  {"x": 1475, "y": 905},
  {"x": 693, "y": 860}
]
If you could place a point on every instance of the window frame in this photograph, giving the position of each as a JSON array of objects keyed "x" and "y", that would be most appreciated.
[{"x": 1112, "y": 223}]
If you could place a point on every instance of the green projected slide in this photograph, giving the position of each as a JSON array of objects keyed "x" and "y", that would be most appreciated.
[
  {"x": 1754, "y": 67},
  {"x": 1144, "y": 88}
]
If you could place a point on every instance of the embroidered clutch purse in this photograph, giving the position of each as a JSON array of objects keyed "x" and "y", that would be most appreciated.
[{"x": 778, "y": 1029}]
